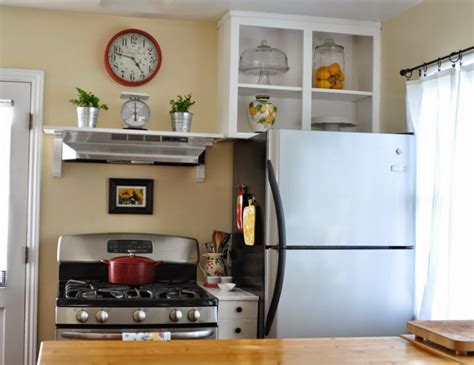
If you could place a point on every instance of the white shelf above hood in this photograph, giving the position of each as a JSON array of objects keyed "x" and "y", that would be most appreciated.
[{"x": 129, "y": 146}]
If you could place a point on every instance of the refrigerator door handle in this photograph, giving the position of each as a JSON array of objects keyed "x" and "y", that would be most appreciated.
[{"x": 281, "y": 248}]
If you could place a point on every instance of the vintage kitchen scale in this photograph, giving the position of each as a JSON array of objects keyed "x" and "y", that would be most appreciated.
[{"x": 135, "y": 113}]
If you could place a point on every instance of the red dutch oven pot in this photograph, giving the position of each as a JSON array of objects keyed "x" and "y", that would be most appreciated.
[{"x": 131, "y": 270}]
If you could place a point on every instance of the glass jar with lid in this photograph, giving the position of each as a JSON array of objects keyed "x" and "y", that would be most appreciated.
[{"x": 328, "y": 66}]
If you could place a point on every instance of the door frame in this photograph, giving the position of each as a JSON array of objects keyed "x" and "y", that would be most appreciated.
[{"x": 36, "y": 79}]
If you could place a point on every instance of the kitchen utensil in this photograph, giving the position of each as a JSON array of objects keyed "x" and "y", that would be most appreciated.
[
  {"x": 456, "y": 335},
  {"x": 249, "y": 223},
  {"x": 263, "y": 61},
  {"x": 226, "y": 279},
  {"x": 240, "y": 206},
  {"x": 210, "y": 247},
  {"x": 218, "y": 239},
  {"x": 131, "y": 270},
  {"x": 226, "y": 286}
]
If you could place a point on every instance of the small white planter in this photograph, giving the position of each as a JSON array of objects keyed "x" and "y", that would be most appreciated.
[{"x": 87, "y": 117}]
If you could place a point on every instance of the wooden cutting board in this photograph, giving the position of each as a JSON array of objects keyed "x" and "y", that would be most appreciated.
[{"x": 457, "y": 336}]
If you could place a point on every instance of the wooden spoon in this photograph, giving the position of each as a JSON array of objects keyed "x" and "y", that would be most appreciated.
[{"x": 218, "y": 240}]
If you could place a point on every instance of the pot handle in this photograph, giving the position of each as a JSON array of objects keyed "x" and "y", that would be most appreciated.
[{"x": 105, "y": 261}]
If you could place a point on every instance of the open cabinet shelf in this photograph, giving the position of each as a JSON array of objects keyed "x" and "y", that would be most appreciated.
[
  {"x": 270, "y": 90},
  {"x": 339, "y": 95},
  {"x": 292, "y": 92}
]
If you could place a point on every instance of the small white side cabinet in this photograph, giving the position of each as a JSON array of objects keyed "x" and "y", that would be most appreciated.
[
  {"x": 237, "y": 313},
  {"x": 292, "y": 92}
]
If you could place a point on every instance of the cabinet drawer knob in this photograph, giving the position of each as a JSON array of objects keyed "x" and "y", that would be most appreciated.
[
  {"x": 238, "y": 330},
  {"x": 239, "y": 309}
]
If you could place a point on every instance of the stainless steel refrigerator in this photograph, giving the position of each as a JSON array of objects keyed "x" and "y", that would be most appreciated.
[{"x": 334, "y": 250}]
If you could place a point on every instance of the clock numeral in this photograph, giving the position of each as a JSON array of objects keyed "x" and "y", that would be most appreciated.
[
  {"x": 113, "y": 57},
  {"x": 115, "y": 66},
  {"x": 132, "y": 77},
  {"x": 152, "y": 61},
  {"x": 117, "y": 49},
  {"x": 124, "y": 42},
  {"x": 150, "y": 68},
  {"x": 123, "y": 74},
  {"x": 144, "y": 43},
  {"x": 133, "y": 39},
  {"x": 142, "y": 76}
]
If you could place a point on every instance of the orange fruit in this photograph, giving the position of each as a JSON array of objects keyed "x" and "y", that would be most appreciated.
[
  {"x": 334, "y": 69},
  {"x": 323, "y": 84},
  {"x": 252, "y": 111},
  {"x": 323, "y": 73},
  {"x": 338, "y": 85},
  {"x": 340, "y": 76}
]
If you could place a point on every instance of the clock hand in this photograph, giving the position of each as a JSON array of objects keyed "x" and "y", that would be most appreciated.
[
  {"x": 132, "y": 58},
  {"x": 124, "y": 55}
]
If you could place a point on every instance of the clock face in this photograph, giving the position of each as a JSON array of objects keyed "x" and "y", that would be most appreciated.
[
  {"x": 135, "y": 113},
  {"x": 132, "y": 57}
]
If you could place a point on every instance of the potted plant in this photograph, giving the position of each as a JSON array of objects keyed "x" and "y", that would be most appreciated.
[
  {"x": 88, "y": 106},
  {"x": 180, "y": 115}
]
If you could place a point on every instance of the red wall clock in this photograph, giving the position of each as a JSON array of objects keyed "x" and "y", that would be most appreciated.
[{"x": 132, "y": 57}]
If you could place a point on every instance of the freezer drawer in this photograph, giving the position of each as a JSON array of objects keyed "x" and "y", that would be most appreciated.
[{"x": 339, "y": 293}]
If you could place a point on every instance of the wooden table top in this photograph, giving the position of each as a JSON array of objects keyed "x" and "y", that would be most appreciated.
[{"x": 374, "y": 350}]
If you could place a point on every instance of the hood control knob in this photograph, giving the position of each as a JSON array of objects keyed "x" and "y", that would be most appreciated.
[
  {"x": 102, "y": 316},
  {"x": 82, "y": 316},
  {"x": 176, "y": 315},
  {"x": 139, "y": 315},
  {"x": 194, "y": 315}
]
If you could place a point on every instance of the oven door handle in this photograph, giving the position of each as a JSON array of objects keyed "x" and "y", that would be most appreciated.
[
  {"x": 91, "y": 336},
  {"x": 191, "y": 335}
]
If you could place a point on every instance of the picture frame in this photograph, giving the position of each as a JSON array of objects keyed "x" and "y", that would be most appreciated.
[{"x": 130, "y": 196}]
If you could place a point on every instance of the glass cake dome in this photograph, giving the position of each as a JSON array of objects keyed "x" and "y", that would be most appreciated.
[{"x": 263, "y": 61}]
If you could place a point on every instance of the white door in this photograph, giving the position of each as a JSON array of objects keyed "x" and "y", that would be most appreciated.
[{"x": 14, "y": 138}]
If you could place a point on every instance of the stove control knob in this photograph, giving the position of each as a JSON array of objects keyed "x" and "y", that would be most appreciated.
[
  {"x": 82, "y": 316},
  {"x": 176, "y": 315},
  {"x": 139, "y": 315},
  {"x": 194, "y": 315},
  {"x": 102, "y": 316}
]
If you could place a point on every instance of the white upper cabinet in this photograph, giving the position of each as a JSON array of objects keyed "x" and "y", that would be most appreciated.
[{"x": 293, "y": 92}]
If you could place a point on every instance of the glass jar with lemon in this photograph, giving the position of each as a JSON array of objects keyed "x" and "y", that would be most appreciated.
[{"x": 328, "y": 66}]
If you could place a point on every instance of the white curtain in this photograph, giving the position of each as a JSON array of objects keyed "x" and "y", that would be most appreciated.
[{"x": 440, "y": 110}]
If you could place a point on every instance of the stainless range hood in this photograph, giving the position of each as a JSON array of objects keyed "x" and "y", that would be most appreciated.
[{"x": 129, "y": 147}]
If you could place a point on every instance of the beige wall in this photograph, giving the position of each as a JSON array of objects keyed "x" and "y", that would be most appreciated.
[
  {"x": 69, "y": 48},
  {"x": 425, "y": 32}
]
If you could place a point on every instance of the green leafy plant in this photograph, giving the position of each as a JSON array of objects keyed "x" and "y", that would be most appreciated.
[
  {"x": 181, "y": 104},
  {"x": 87, "y": 99}
]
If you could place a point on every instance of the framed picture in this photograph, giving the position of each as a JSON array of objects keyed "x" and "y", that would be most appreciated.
[{"x": 130, "y": 196}]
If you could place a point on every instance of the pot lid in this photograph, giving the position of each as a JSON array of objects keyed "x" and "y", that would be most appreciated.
[{"x": 132, "y": 260}]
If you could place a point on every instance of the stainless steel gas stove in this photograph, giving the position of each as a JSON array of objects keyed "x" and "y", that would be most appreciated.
[{"x": 88, "y": 307}]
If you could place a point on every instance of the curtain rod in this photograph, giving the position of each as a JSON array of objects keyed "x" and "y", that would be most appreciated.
[{"x": 452, "y": 57}]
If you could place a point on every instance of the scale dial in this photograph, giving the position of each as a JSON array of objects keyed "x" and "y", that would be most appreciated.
[{"x": 135, "y": 113}]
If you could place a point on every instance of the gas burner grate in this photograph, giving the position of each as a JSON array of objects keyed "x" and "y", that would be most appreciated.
[{"x": 97, "y": 290}]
